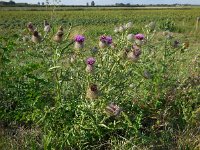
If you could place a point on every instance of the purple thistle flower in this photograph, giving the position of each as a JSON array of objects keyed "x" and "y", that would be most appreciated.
[
  {"x": 139, "y": 36},
  {"x": 109, "y": 40},
  {"x": 103, "y": 38},
  {"x": 90, "y": 61},
  {"x": 106, "y": 39},
  {"x": 79, "y": 38}
]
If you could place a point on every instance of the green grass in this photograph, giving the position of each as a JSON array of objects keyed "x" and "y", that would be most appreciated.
[{"x": 43, "y": 94}]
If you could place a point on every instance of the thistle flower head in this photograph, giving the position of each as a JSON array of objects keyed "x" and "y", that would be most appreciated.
[
  {"x": 90, "y": 61},
  {"x": 103, "y": 38},
  {"x": 129, "y": 25},
  {"x": 60, "y": 28},
  {"x": 106, "y": 39},
  {"x": 113, "y": 109},
  {"x": 79, "y": 38},
  {"x": 121, "y": 29},
  {"x": 109, "y": 40},
  {"x": 30, "y": 25},
  {"x": 136, "y": 51},
  {"x": 130, "y": 37},
  {"x": 93, "y": 87},
  {"x": 35, "y": 33},
  {"x": 46, "y": 23},
  {"x": 139, "y": 36},
  {"x": 116, "y": 30},
  {"x": 59, "y": 33},
  {"x": 176, "y": 43}
]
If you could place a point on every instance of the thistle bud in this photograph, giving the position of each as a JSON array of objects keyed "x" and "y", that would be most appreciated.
[
  {"x": 30, "y": 27},
  {"x": 113, "y": 110},
  {"x": 58, "y": 37},
  {"x": 36, "y": 38},
  {"x": 102, "y": 45},
  {"x": 47, "y": 26},
  {"x": 130, "y": 37},
  {"x": 175, "y": 44},
  {"x": 92, "y": 92},
  {"x": 152, "y": 26},
  {"x": 135, "y": 54},
  {"x": 121, "y": 29},
  {"x": 129, "y": 25},
  {"x": 116, "y": 30},
  {"x": 105, "y": 41}
]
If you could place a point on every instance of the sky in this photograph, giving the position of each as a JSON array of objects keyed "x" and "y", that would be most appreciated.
[{"x": 109, "y": 2}]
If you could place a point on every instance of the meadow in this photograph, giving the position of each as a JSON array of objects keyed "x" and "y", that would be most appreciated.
[{"x": 100, "y": 79}]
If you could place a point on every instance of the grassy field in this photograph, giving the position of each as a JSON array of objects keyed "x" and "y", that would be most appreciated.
[{"x": 140, "y": 93}]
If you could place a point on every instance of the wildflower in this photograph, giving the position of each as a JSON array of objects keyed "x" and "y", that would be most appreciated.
[
  {"x": 92, "y": 92},
  {"x": 59, "y": 35},
  {"x": 139, "y": 39},
  {"x": 47, "y": 26},
  {"x": 109, "y": 40},
  {"x": 135, "y": 54},
  {"x": 152, "y": 25},
  {"x": 116, "y": 30},
  {"x": 130, "y": 37},
  {"x": 36, "y": 38},
  {"x": 105, "y": 41},
  {"x": 30, "y": 27},
  {"x": 139, "y": 36},
  {"x": 79, "y": 41},
  {"x": 121, "y": 29},
  {"x": 129, "y": 25},
  {"x": 90, "y": 62},
  {"x": 113, "y": 110}
]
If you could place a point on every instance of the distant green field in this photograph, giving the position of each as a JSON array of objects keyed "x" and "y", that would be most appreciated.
[{"x": 118, "y": 79}]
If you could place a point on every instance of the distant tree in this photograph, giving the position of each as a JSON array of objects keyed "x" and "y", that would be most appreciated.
[
  {"x": 43, "y": 3},
  {"x": 38, "y": 3},
  {"x": 11, "y": 2},
  {"x": 87, "y": 4},
  {"x": 92, "y": 3}
]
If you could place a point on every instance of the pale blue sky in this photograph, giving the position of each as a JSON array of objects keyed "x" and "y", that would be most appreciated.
[{"x": 108, "y": 2}]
